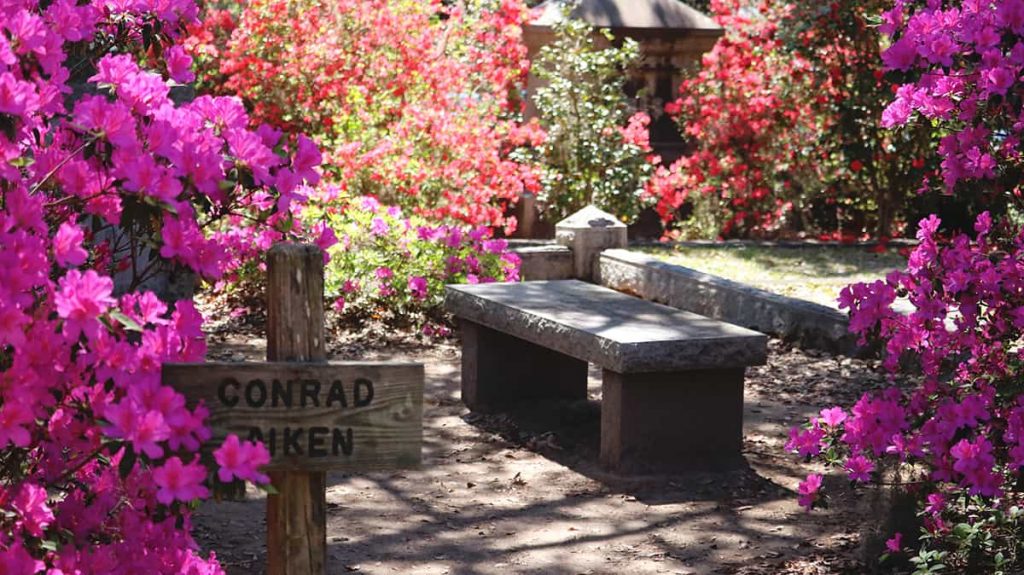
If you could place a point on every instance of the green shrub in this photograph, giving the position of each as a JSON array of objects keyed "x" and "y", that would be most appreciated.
[
  {"x": 596, "y": 151},
  {"x": 393, "y": 268}
]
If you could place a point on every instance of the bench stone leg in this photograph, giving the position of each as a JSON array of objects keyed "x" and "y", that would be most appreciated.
[
  {"x": 663, "y": 422},
  {"x": 499, "y": 370}
]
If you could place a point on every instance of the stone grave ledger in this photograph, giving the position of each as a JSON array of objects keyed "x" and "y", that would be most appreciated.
[
  {"x": 330, "y": 416},
  {"x": 672, "y": 380}
]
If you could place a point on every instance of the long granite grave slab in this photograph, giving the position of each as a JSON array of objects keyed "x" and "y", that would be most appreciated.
[{"x": 807, "y": 323}]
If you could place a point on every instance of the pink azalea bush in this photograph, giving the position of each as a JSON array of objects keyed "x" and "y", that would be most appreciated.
[
  {"x": 105, "y": 178},
  {"x": 389, "y": 266},
  {"x": 957, "y": 434}
]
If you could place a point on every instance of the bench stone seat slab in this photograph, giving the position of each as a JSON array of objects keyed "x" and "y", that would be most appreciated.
[{"x": 618, "y": 332}]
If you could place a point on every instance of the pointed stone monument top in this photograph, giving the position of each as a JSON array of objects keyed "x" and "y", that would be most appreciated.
[
  {"x": 587, "y": 233},
  {"x": 590, "y": 217}
]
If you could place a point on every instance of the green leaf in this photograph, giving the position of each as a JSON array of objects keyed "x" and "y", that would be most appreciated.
[
  {"x": 48, "y": 544},
  {"x": 128, "y": 323},
  {"x": 127, "y": 462},
  {"x": 22, "y": 162},
  {"x": 963, "y": 530}
]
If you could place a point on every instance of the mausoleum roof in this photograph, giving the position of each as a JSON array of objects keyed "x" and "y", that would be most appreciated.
[{"x": 630, "y": 14}]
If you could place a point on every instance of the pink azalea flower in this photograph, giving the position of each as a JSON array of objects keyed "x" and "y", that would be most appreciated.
[
  {"x": 12, "y": 325},
  {"x": 75, "y": 22},
  {"x": 143, "y": 91},
  {"x": 242, "y": 460},
  {"x": 269, "y": 134},
  {"x": 894, "y": 544},
  {"x": 859, "y": 468},
  {"x": 16, "y": 561},
  {"x": 429, "y": 234},
  {"x": 31, "y": 505},
  {"x": 307, "y": 158},
  {"x": 180, "y": 482},
  {"x": 250, "y": 152},
  {"x": 142, "y": 174},
  {"x": 418, "y": 287},
  {"x": 806, "y": 442},
  {"x": 478, "y": 234},
  {"x": 808, "y": 489},
  {"x": 454, "y": 238},
  {"x": 369, "y": 204},
  {"x": 901, "y": 55},
  {"x": 179, "y": 65},
  {"x": 134, "y": 423},
  {"x": 495, "y": 246},
  {"x": 177, "y": 236},
  {"x": 833, "y": 417},
  {"x": 936, "y": 503},
  {"x": 81, "y": 300},
  {"x": 146, "y": 308},
  {"x": 114, "y": 70},
  {"x": 17, "y": 97},
  {"x": 453, "y": 265},
  {"x": 188, "y": 429},
  {"x": 112, "y": 121},
  {"x": 379, "y": 227},
  {"x": 326, "y": 238}
]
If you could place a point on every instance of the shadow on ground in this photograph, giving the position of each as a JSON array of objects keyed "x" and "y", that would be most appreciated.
[{"x": 523, "y": 493}]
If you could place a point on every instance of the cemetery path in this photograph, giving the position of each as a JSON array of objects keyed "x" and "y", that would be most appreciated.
[{"x": 522, "y": 493}]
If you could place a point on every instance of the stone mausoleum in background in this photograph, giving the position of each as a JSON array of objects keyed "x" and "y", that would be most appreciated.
[{"x": 672, "y": 36}]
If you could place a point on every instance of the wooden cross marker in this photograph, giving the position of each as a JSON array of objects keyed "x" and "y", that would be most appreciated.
[{"x": 314, "y": 416}]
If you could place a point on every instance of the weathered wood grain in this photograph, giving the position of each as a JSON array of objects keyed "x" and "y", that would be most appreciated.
[
  {"x": 297, "y": 514},
  {"x": 379, "y": 404},
  {"x": 295, "y": 303}
]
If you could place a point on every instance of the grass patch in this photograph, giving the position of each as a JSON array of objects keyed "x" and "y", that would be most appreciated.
[{"x": 813, "y": 273}]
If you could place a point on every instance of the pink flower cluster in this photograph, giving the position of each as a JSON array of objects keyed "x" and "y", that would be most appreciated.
[
  {"x": 106, "y": 178},
  {"x": 965, "y": 61},
  {"x": 958, "y": 430},
  {"x": 387, "y": 265},
  {"x": 962, "y": 426}
]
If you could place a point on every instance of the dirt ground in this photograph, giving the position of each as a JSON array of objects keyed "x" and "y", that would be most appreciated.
[{"x": 524, "y": 494}]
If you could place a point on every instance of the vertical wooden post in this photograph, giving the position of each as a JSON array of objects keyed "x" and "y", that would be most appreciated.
[{"x": 296, "y": 516}]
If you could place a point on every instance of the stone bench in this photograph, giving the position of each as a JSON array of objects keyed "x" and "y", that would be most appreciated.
[{"x": 672, "y": 380}]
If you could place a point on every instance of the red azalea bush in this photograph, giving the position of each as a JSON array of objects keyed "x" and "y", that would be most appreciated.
[
  {"x": 784, "y": 120},
  {"x": 873, "y": 175},
  {"x": 957, "y": 434},
  {"x": 412, "y": 100},
  {"x": 102, "y": 177},
  {"x": 750, "y": 111}
]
